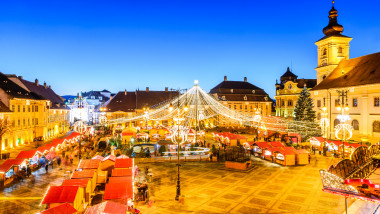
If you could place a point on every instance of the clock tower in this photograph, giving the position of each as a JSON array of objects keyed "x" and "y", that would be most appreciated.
[{"x": 332, "y": 48}]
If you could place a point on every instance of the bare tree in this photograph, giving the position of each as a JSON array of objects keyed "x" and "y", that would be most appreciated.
[{"x": 5, "y": 126}]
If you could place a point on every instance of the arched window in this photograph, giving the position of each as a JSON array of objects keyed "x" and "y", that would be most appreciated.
[
  {"x": 336, "y": 122},
  {"x": 340, "y": 50},
  {"x": 376, "y": 126},
  {"x": 355, "y": 124},
  {"x": 324, "y": 52},
  {"x": 324, "y": 76}
]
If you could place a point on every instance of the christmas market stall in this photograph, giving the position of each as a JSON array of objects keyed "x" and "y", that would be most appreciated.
[
  {"x": 108, "y": 163},
  {"x": 317, "y": 142},
  {"x": 64, "y": 208},
  {"x": 120, "y": 172},
  {"x": 302, "y": 156},
  {"x": 58, "y": 195},
  {"x": 86, "y": 174},
  {"x": 8, "y": 169},
  {"x": 119, "y": 190},
  {"x": 259, "y": 148},
  {"x": 283, "y": 155},
  {"x": 127, "y": 163},
  {"x": 84, "y": 184},
  {"x": 33, "y": 157},
  {"x": 95, "y": 165}
]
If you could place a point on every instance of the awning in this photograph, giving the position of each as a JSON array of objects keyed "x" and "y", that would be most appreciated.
[
  {"x": 7, "y": 165},
  {"x": 27, "y": 154},
  {"x": 60, "y": 194}
]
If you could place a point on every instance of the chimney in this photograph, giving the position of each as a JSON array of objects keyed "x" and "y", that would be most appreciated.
[
  {"x": 245, "y": 79},
  {"x": 20, "y": 77},
  {"x": 225, "y": 78},
  {"x": 45, "y": 86},
  {"x": 49, "y": 86},
  {"x": 166, "y": 89},
  {"x": 36, "y": 82},
  {"x": 147, "y": 89},
  {"x": 125, "y": 92}
]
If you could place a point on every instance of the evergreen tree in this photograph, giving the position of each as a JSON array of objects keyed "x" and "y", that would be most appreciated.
[{"x": 304, "y": 109}]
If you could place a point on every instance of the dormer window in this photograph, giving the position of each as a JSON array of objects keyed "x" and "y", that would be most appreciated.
[
  {"x": 245, "y": 97},
  {"x": 232, "y": 90},
  {"x": 253, "y": 91},
  {"x": 223, "y": 97},
  {"x": 290, "y": 86}
]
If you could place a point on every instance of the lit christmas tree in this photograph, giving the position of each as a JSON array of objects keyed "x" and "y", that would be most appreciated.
[{"x": 303, "y": 110}]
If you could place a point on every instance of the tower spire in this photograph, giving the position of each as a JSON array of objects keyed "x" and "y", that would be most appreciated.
[{"x": 333, "y": 28}]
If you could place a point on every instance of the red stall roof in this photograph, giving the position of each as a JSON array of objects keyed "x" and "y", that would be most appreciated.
[
  {"x": 60, "y": 194},
  {"x": 110, "y": 157},
  {"x": 127, "y": 133},
  {"x": 263, "y": 144},
  {"x": 89, "y": 164},
  {"x": 60, "y": 209},
  {"x": 27, "y": 154},
  {"x": 301, "y": 151},
  {"x": 76, "y": 182},
  {"x": 124, "y": 163},
  {"x": 120, "y": 172},
  {"x": 42, "y": 149},
  {"x": 118, "y": 191},
  {"x": 121, "y": 157},
  {"x": 87, "y": 173},
  {"x": 7, "y": 165},
  {"x": 276, "y": 144},
  {"x": 319, "y": 139},
  {"x": 127, "y": 179},
  {"x": 107, "y": 207},
  {"x": 98, "y": 157}
]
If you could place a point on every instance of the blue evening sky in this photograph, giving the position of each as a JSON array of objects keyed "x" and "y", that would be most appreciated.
[{"x": 78, "y": 45}]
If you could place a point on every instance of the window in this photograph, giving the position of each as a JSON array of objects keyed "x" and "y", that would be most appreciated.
[
  {"x": 18, "y": 108},
  {"x": 23, "y": 108},
  {"x": 324, "y": 52},
  {"x": 223, "y": 97},
  {"x": 337, "y": 102},
  {"x": 324, "y": 77},
  {"x": 245, "y": 107},
  {"x": 13, "y": 108},
  {"x": 241, "y": 107},
  {"x": 318, "y": 116},
  {"x": 319, "y": 103},
  {"x": 290, "y": 102},
  {"x": 28, "y": 122},
  {"x": 92, "y": 97},
  {"x": 340, "y": 50},
  {"x": 282, "y": 103},
  {"x": 23, "y": 122},
  {"x": 28, "y": 108},
  {"x": 18, "y": 123},
  {"x": 36, "y": 110},
  {"x": 336, "y": 122},
  {"x": 355, "y": 124},
  {"x": 376, "y": 126},
  {"x": 376, "y": 102},
  {"x": 229, "y": 106},
  {"x": 235, "y": 107},
  {"x": 354, "y": 102},
  {"x": 290, "y": 86},
  {"x": 245, "y": 97},
  {"x": 36, "y": 120}
]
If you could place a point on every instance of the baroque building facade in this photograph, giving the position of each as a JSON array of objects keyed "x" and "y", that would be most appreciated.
[
  {"x": 288, "y": 91},
  {"x": 359, "y": 77}
]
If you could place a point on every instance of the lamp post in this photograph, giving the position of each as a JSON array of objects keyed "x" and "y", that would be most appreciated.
[
  {"x": 324, "y": 122},
  {"x": 343, "y": 117},
  {"x": 80, "y": 106},
  {"x": 181, "y": 135}
]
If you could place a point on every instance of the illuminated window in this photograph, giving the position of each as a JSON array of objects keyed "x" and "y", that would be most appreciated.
[
  {"x": 318, "y": 116},
  {"x": 376, "y": 102},
  {"x": 324, "y": 52},
  {"x": 355, "y": 124},
  {"x": 23, "y": 108},
  {"x": 340, "y": 50},
  {"x": 376, "y": 126},
  {"x": 18, "y": 108},
  {"x": 290, "y": 102},
  {"x": 337, "y": 102},
  {"x": 355, "y": 102},
  {"x": 319, "y": 103}
]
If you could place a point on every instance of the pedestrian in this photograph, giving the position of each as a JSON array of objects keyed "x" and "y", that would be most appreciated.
[
  {"x": 71, "y": 159},
  {"x": 28, "y": 171},
  {"x": 46, "y": 167},
  {"x": 309, "y": 158},
  {"x": 59, "y": 161}
]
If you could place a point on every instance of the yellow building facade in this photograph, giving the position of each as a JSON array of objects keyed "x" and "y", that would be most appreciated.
[{"x": 359, "y": 77}]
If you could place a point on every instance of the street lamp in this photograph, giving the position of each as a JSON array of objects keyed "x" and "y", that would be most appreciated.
[
  {"x": 80, "y": 106},
  {"x": 343, "y": 117},
  {"x": 324, "y": 122}
]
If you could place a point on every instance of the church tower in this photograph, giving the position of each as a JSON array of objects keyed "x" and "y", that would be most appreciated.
[{"x": 332, "y": 48}]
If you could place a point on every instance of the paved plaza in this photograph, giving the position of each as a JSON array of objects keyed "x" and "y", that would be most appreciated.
[{"x": 207, "y": 188}]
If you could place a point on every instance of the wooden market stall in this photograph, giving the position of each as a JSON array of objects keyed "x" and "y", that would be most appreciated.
[
  {"x": 108, "y": 164},
  {"x": 86, "y": 173},
  {"x": 9, "y": 168},
  {"x": 259, "y": 149},
  {"x": 120, "y": 172},
  {"x": 118, "y": 191},
  {"x": 284, "y": 155},
  {"x": 302, "y": 156},
  {"x": 58, "y": 195},
  {"x": 84, "y": 184},
  {"x": 95, "y": 165}
]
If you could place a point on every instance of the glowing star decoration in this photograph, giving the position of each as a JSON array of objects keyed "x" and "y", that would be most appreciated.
[
  {"x": 179, "y": 134},
  {"x": 341, "y": 130}
]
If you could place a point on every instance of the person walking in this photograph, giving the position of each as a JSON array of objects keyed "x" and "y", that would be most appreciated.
[{"x": 47, "y": 167}]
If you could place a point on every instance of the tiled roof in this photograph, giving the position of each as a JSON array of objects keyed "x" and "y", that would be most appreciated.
[
  {"x": 358, "y": 71},
  {"x": 96, "y": 94},
  {"x": 151, "y": 98},
  {"x": 15, "y": 91},
  {"x": 4, "y": 108},
  {"x": 125, "y": 102},
  {"x": 288, "y": 73},
  {"x": 60, "y": 194},
  {"x": 239, "y": 87},
  {"x": 46, "y": 92}
]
